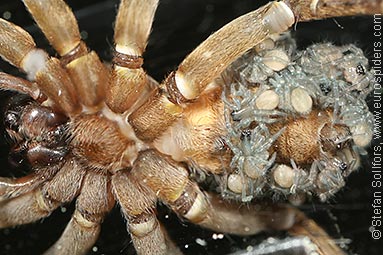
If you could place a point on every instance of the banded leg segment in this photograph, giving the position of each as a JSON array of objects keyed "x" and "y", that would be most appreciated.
[
  {"x": 133, "y": 24},
  {"x": 57, "y": 22},
  {"x": 39, "y": 203},
  {"x": 138, "y": 206},
  {"x": 129, "y": 82},
  {"x": 232, "y": 217},
  {"x": 208, "y": 60},
  {"x": 16, "y": 44},
  {"x": 214, "y": 55},
  {"x": 50, "y": 76},
  {"x": 25, "y": 209},
  {"x": 86, "y": 70},
  {"x": 94, "y": 201},
  {"x": 171, "y": 184}
]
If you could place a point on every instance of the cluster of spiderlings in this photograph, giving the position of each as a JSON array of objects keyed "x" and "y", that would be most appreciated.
[
  {"x": 345, "y": 82},
  {"x": 275, "y": 81}
]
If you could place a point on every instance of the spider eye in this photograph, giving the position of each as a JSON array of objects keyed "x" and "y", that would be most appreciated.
[
  {"x": 325, "y": 88},
  {"x": 343, "y": 166},
  {"x": 360, "y": 70},
  {"x": 13, "y": 111},
  {"x": 11, "y": 121},
  {"x": 234, "y": 116},
  {"x": 245, "y": 134}
]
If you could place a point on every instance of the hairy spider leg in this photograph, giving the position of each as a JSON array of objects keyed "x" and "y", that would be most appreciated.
[
  {"x": 138, "y": 205},
  {"x": 50, "y": 77},
  {"x": 129, "y": 85},
  {"x": 205, "y": 63},
  {"x": 93, "y": 203},
  {"x": 40, "y": 202},
  {"x": 170, "y": 182},
  {"x": 87, "y": 73}
]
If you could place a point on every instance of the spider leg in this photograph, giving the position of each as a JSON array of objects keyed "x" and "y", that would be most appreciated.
[
  {"x": 171, "y": 184},
  {"x": 11, "y": 187},
  {"x": 27, "y": 208},
  {"x": 290, "y": 245},
  {"x": 231, "y": 217},
  {"x": 138, "y": 206},
  {"x": 213, "y": 56},
  {"x": 9, "y": 82},
  {"x": 16, "y": 44},
  {"x": 311, "y": 10},
  {"x": 57, "y": 22},
  {"x": 205, "y": 63},
  {"x": 197, "y": 137},
  {"x": 39, "y": 203},
  {"x": 129, "y": 82},
  {"x": 51, "y": 78},
  {"x": 94, "y": 201},
  {"x": 307, "y": 227},
  {"x": 86, "y": 70}
]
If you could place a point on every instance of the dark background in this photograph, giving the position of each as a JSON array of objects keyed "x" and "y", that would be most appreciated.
[{"x": 179, "y": 27}]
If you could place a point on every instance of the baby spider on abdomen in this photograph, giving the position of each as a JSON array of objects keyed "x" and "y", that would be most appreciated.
[{"x": 316, "y": 134}]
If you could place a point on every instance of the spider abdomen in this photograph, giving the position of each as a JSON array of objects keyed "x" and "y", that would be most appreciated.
[
  {"x": 300, "y": 139},
  {"x": 296, "y": 128}
]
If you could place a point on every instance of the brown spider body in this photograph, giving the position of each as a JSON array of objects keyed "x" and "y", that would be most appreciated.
[
  {"x": 114, "y": 135},
  {"x": 198, "y": 134},
  {"x": 99, "y": 143},
  {"x": 301, "y": 140},
  {"x": 197, "y": 137},
  {"x": 38, "y": 131}
]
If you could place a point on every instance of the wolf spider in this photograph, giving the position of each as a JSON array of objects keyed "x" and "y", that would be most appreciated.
[{"x": 111, "y": 134}]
